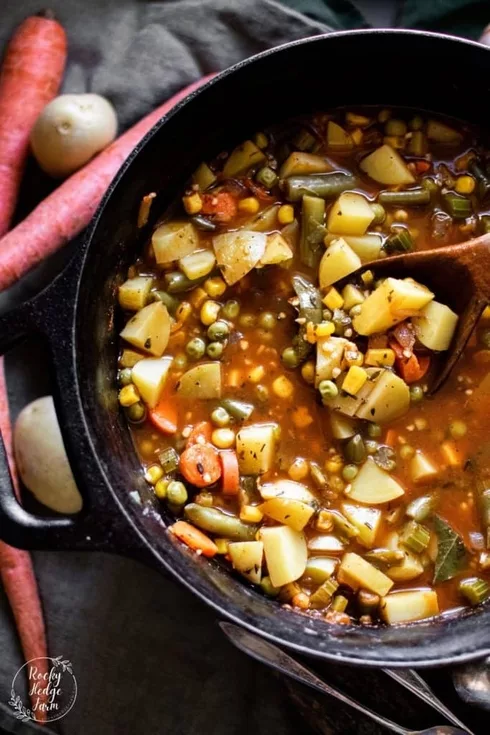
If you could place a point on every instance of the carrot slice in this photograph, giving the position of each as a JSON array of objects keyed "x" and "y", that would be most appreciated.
[
  {"x": 230, "y": 473},
  {"x": 391, "y": 437},
  {"x": 164, "y": 416},
  {"x": 422, "y": 167},
  {"x": 194, "y": 538},
  {"x": 223, "y": 205},
  {"x": 200, "y": 434},
  {"x": 414, "y": 368},
  {"x": 200, "y": 465}
]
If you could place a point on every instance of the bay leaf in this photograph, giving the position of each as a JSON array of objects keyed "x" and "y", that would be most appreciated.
[{"x": 451, "y": 551}]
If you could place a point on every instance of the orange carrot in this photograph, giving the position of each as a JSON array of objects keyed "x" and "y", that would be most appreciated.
[
  {"x": 230, "y": 473},
  {"x": 391, "y": 437},
  {"x": 30, "y": 77},
  {"x": 200, "y": 465},
  {"x": 65, "y": 212},
  {"x": 413, "y": 369},
  {"x": 164, "y": 416},
  {"x": 422, "y": 167},
  {"x": 222, "y": 206},
  {"x": 200, "y": 434},
  {"x": 194, "y": 538},
  {"x": 16, "y": 570}
]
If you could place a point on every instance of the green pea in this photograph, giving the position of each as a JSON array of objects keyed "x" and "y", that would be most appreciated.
[
  {"x": 355, "y": 311},
  {"x": 220, "y": 417},
  {"x": 218, "y": 331},
  {"x": 231, "y": 309},
  {"x": 215, "y": 350},
  {"x": 374, "y": 430},
  {"x": 136, "y": 413},
  {"x": 290, "y": 358},
  {"x": 267, "y": 321},
  {"x": 349, "y": 472},
  {"x": 416, "y": 393},
  {"x": 180, "y": 361},
  {"x": 457, "y": 429},
  {"x": 328, "y": 389},
  {"x": 196, "y": 348},
  {"x": 485, "y": 338},
  {"x": 406, "y": 451},
  {"x": 261, "y": 393},
  {"x": 125, "y": 377},
  {"x": 176, "y": 493},
  {"x": 247, "y": 321},
  {"x": 327, "y": 315}
]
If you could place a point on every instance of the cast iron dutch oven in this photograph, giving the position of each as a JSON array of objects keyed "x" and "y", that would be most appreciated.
[{"x": 77, "y": 314}]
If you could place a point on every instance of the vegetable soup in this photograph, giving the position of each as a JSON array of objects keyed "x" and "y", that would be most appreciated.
[{"x": 276, "y": 390}]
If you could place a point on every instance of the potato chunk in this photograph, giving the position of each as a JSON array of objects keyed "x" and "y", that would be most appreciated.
[
  {"x": 388, "y": 400},
  {"x": 201, "y": 382},
  {"x": 285, "y": 554},
  {"x": 374, "y": 486},
  {"x": 300, "y": 163},
  {"x": 134, "y": 293},
  {"x": 366, "y": 520},
  {"x": 392, "y": 302},
  {"x": 277, "y": 250},
  {"x": 406, "y": 607},
  {"x": 174, "y": 240},
  {"x": 337, "y": 137},
  {"x": 149, "y": 329},
  {"x": 293, "y": 513},
  {"x": 338, "y": 261},
  {"x": 386, "y": 166},
  {"x": 246, "y": 557},
  {"x": 350, "y": 214},
  {"x": 286, "y": 489},
  {"x": 435, "y": 326},
  {"x": 149, "y": 376},
  {"x": 357, "y": 572},
  {"x": 256, "y": 448},
  {"x": 238, "y": 252}
]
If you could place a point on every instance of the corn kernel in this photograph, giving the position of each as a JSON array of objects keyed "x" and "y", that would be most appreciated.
[
  {"x": 192, "y": 203},
  {"x": 153, "y": 474},
  {"x": 183, "y": 312},
  {"x": 285, "y": 214},
  {"x": 299, "y": 469},
  {"x": 357, "y": 135},
  {"x": 249, "y": 205},
  {"x": 261, "y": 140},
  {"x": 333, "y": 300},
  {"x": 214, "y": 287},
  {"x": 354, "y": 380},
  {"x": 251, "y": 514},
  {"x": 222, "y": 545},
  {"x": 367, "y": 278},
  {"x": 128, "y": 395},
  {"x": 308, "y": 372},
  {"x": 283, "y": 387},
  {"x": 353, "y": 357},
  {"x": 324, "y": 521},
  {"x": 301, "y": 600},
  {"x": 380, "y": 357},
  {"x": 465, "y": 185},
  {"x": 161, "y": 489},
  {"x": 234, "y": 378},
  {"x": 325, "y": 329},
  {"x": 485, "y": 315},
  {"x": 302, "y": 417},
  {"x": 256, "y": 374},
  {"x": 197, "y": 297},
  {"x": 311, "y": 333},
  {"x": 335, "y": 464},
  {"x": 223, "y": 438},
  {"x": 209, "y": 312}
]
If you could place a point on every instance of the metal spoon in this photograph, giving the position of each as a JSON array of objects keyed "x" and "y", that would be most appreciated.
[
  {"x": 459, "y": 275},
  {"x": 269, "y": 654},
  {"x": 472, "y": 682}
]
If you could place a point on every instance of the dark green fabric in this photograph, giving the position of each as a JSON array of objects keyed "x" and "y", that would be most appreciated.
[{"x": 341, "y": 15}]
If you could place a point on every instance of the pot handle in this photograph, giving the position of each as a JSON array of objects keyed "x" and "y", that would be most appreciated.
[{"x": 100, "y": 525}]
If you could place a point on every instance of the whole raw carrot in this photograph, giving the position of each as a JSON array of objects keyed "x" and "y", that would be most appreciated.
[
  {"x": 65, "y": 212},
  {"x": 16, "y": 570},
  {"x": 30, "y": 77}
]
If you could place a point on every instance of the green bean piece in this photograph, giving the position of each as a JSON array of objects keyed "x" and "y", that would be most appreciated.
[
  {"x": 203, "y": 223},
  {"x": 339, "y": 603},
  {"x": 354, "y": 450},
  {"x": 195, "y": 348},
  {"x": 423, "y": 507},
  {"x": 431, "y": 185},
  {"x": 410, "y": 197},
  {"x": 326, "y": 186},
  {"x": 231, "y": 309},
  {"x": 415, "y": 537},
  {"x": 169, "y": 459},
  {"x": 176, "y": 493},
  {"x": 221, "y": 524},
  {"x": 457, "y": 206},
  {"x": 290, "y": 358},
  {"x": 240, "y": 410},
  {"x": 177, "y": 282},
  {"x": 304, "y": 140},
  {"x": 220, "y": 417},
  {"x": 310, "y": 308},
  {"x": 344, "y": 526},
  {"x": 125, "y": 376},
  {"x": 418, "y": 145},
  {"x": 268, "y": 588},
  {"x": 485, "y": 223},
  {"x": 399, "y": 242},
  {"x": 322, "y": 596},
  {"x": 215, "y": 350},
  {"x": 476, "y": 168},
  {"x": 379, "y": 213},
  {"x": 317, "y": 476},
  {"x": 136, "y": 413},
  {"x": 385, "y": 557},
  {"x": 312, "y": 231},
  {"x": 267, "y": 177},
  {"x": 475, "y": 590},
  {"x": 167, "y": 300},
  {"x": 416, "y": 393}
]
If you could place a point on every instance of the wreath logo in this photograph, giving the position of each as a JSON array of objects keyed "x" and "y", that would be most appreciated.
[{"x": 52, "y": 689}]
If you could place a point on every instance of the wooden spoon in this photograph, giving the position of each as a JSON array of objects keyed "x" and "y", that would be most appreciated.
[{"x": 459, "y": 275}]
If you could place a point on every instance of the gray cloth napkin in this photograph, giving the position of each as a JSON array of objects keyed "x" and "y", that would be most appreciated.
[{"x": 147, "y": 655}]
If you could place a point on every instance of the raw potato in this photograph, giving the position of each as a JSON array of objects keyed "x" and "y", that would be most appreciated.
[
  {"x": 149, "y": 329},
  {"x": 350, "y": 214},
  {"x": 338, "y": 261},
  {"x": 246, "y": 557},
  {"x": 71, "y": 130},
  {"x": 286, "y": 489},
  {"x": 238, "y": 252},
  {"x": 374, "y": 486},
  {"x": 422, "y": 470},
  {"x": 392, "y": 302},
  {"x": 174, "y": 240},
  {"x": 406, "y": 607},
  {"x": 357, "y": 572},
  {"x": 337, "y": 137},
  {"x": 388, "y": 399},
  {"x": 386, "y": 166},
  {"x": 285, "y": 554},
  {"x": 256, "y": 448},
  {"x": 293, "y": 513},
  {"x": 435, "y": 326},
  {"x": 202, "y": 382},
  {"x": 41, "y": 458},
  {"x": 149, "y": 376},
  {"x": 133, "y": 294},
  {"x": 366, "y": 520},
  {"x": 303, "y": 164},
  {"x": 277, "y": 250}
]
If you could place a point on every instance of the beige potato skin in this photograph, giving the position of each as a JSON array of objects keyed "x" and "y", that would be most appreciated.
[{"x": 41, "y": 458}]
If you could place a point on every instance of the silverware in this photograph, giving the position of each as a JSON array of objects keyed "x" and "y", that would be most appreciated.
[
  {"x": 472, "y": 682},
  {"x": 269, "y": 654}
]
